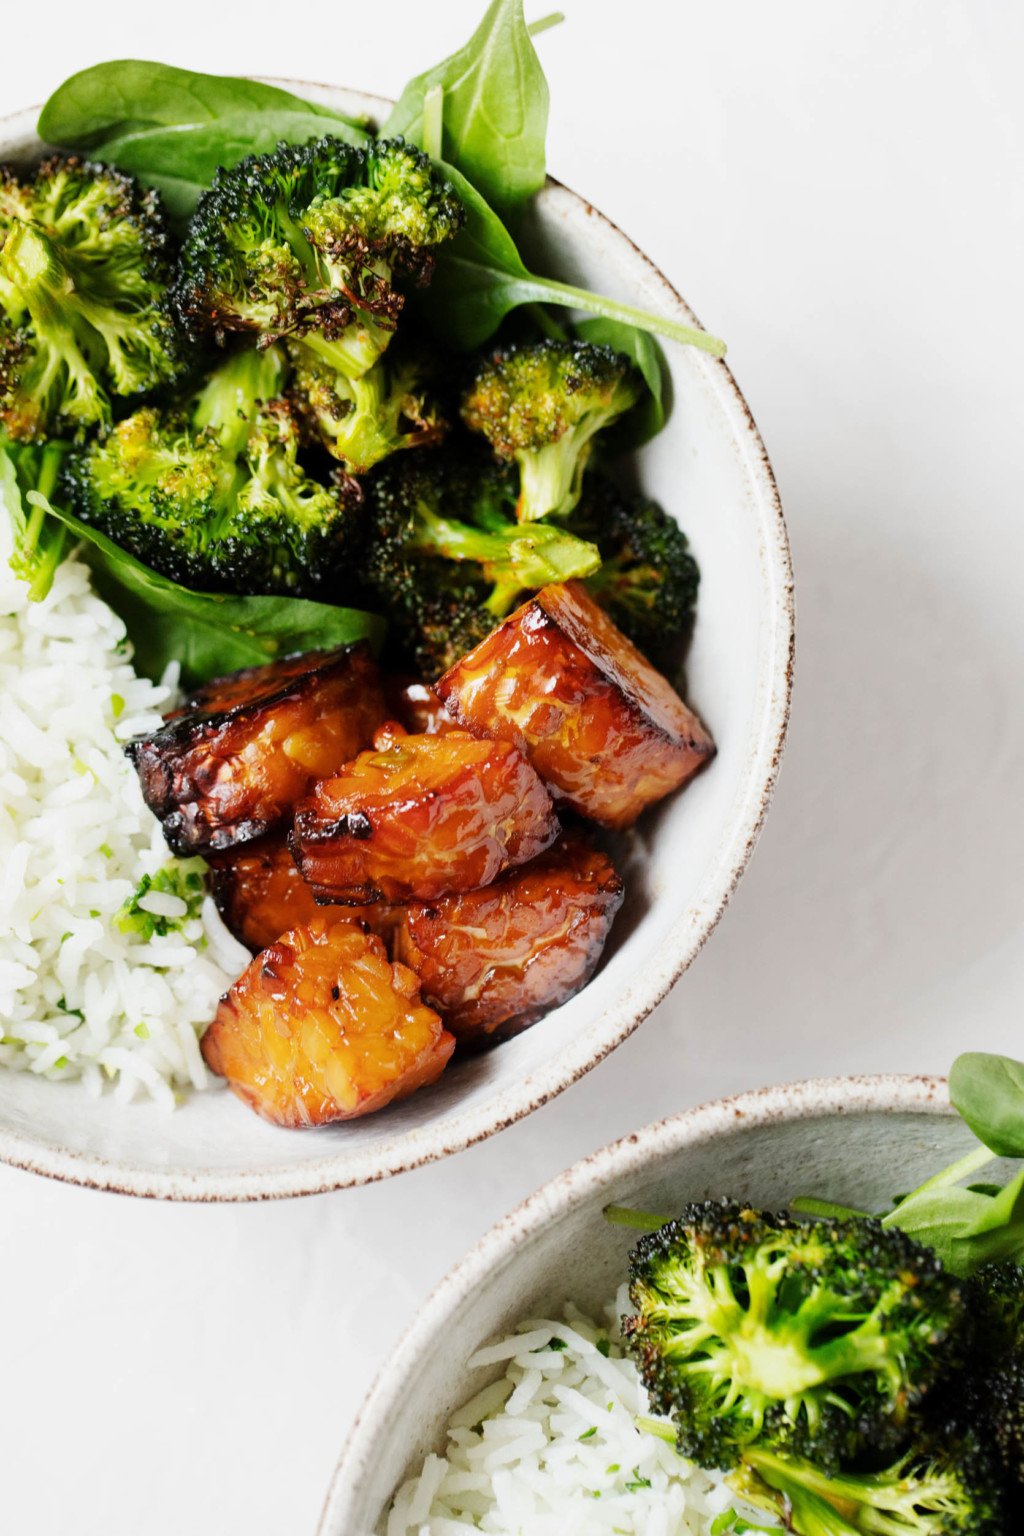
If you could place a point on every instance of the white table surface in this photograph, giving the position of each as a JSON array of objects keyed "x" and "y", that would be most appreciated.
[{"x": 837, "y": 189}]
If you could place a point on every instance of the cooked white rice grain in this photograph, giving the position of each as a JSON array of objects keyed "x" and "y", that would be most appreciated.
[
  {"x": 552, "y": 1448},
  {"x": 79, "y": 998}
]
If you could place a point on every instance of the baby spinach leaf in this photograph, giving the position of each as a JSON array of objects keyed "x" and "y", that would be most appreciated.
[
  {"x": 209, "y": 633},
  {"x": 988, "y": 1093},
  {"x": 494, "y": 108},
  {"x": 127, "y": 95},
  {"x": 481, "y": 277},
  {"x": 180, "y": 161},
  {"x": 965, "y": 1227},
  {"x": 967, "y": 1222},
  {"x": 647, "y": 418}
]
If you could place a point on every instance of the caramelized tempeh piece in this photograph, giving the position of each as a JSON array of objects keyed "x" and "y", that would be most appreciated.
[
  {"x": 234, "y": 766},
  {"x": 493, "y": 961},
  {"x": 249, "y": 684},
  {"x": 427, "y": 815},
  {"x": 323, "y": 1027},
  {"x": 260, "y": 894},
  {"x": 607, "y": 733},
  {"x": 417, "y": 707}
]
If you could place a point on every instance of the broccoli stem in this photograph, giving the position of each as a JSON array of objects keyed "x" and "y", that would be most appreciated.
[
  {"x": 807, "y": 1205},
  {"x": 41, "y": 546},
  {"x": 230, "y": 399},
  {"x": 512, "y": 558},
  {"x": 355, "y": 351},
  {"x": 763, "y": 1482},
  {"x": 642, "y": 1221},
  {"x": 659, "y": 1427},
  {"x": 42, "y": 556},
  {"x": 551, "y": 477}
]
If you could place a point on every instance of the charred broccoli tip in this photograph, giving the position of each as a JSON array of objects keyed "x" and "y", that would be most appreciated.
[
  {"x": 310, "y": 242},
  {"x": 818, "y": 1338},
  {"x": 83, "y": 298},
  {"x": 540, "y": 405}
]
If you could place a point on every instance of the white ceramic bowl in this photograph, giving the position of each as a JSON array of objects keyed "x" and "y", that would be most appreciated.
[
  {"x": 710, "y": 468},
  {"x": 854, "y": 1140}
]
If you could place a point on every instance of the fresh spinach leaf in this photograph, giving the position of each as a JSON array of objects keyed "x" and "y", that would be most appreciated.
[
  {"x": 128, "y": 95},
  {"x": 988, "y": 1093},
  {"x": 647, "y": 418},
  {"x": 480, "y": 278},
  {"x": 181, "y": 161},
  {"x": 965, "y": 1227},
  {"x": 209, "y": 633},
  {"x": 494, "y": 108},
  {"x": 968, "y": 1223}
]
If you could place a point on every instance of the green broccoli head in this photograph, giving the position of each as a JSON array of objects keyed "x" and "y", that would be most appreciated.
[
  {"x": 434, "y": 623},
  {"x": 821, "y": 1338},
  {"x": 310, "y": 241},
  {"x": 83, "y": 297},
  {"x": 948, "y": 1492},
  {"x": 213, "y": 495},
  {"x": 995, "y": 1299},
  {"x": 999, "y": 1402},
  {"x": 540, "y": 405},
  {"x": 446, "y": 557},
  {"x": 648, "y": 578},
  {"x": 362, "y": 421}
]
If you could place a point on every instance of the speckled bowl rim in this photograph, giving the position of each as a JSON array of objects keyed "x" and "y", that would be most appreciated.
[
  {"x": 811, "y": 1099},
  {"x": 342, "y": 1170}
]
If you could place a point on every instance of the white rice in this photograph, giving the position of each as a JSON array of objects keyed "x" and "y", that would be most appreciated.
[
  {"x": 552, "y": 1449},
  {"x": 78, "y": 997}
]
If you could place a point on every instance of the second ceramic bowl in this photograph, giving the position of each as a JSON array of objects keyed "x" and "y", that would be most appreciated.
[{"x": 853, "y": 1140}]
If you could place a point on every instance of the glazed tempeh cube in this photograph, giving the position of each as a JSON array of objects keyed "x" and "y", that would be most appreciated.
[
  {"x": 424, "y": 816},
  {"x": 607, "y": 733},
  {"x": 261, "y": 894},
  {"x": 250, "y": 683},
  {"x": 323, "y": 1027},
  {"x": 492, "y": 961},
  {"x": 234, "y": 766}
]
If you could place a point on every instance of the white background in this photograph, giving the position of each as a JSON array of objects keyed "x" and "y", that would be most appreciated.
[{"x": 837, "y": 189}]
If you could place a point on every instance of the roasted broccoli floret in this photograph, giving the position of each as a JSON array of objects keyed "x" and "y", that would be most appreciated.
[
  {"x": 362, "y": 421},
  {"x": 540, "y": 405},
  {"x": 951, "y": 1492},
  {"x": 995, "y": 1299},
  {"x": 985, "y": 1401},
  {"x": 310, "y": 241},
  {"x": 648, "y": 579},
  {"x": 817, "y": 1337},
  {"x": 446, "y": 558},
  {"x": 213, "y": 495},
  {"x": 1001, "y": 1402},
  {"x": 83, "y": 298}
]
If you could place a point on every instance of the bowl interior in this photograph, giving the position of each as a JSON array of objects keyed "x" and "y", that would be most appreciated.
[
  {"x": 854, "y": 1141},
  {"x": 710, "y": 470}
]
